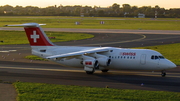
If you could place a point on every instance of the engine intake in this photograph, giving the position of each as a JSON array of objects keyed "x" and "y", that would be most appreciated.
[{"x": 102, "y": 59}]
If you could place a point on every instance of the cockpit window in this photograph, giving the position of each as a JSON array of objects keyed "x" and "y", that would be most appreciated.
[
  {"x": 161, "y": 57},
  {"x": 154, "y": 57}
]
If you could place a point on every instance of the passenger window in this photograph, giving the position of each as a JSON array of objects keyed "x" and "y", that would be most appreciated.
[{"x": 42, "y": 50}]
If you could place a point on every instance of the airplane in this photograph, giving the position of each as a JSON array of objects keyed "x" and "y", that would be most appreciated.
[{"x": 93, "y": 58}]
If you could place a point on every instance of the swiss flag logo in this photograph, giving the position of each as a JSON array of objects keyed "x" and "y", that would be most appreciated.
[{"x": 36, "y": 37}]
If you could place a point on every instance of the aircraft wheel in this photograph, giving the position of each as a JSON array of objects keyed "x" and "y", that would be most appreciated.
[
  {"x": 163, "y": 73},
  {"x": 105, "y": 70},
  {"x": 90, "y": 72}
]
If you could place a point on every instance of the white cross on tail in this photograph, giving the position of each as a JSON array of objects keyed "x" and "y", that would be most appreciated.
[{"x": 34, "y": 36}]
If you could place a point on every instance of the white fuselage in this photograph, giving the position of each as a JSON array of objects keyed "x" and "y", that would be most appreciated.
[
  {"x": 91, "y": 58},
  {"x": 134, "y": 59}
]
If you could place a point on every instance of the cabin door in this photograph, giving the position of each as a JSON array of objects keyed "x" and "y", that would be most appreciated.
[{"x": 143, "y": 59}]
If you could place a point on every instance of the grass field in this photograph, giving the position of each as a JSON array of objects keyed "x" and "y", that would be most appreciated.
[
  {"x": 52, "y": 92},
  {"x": 19, "y": 37},
  {"x": 33, "y": 57},
  {"x": 94, "y": 22}
]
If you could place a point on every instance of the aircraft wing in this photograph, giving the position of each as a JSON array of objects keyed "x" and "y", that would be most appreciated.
[{"x": 79, "y": 53}]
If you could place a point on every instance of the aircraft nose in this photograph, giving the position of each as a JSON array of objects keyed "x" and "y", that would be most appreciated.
[
  {"x": 170, "y": 64},
  {"x": 173, "y": 65}
]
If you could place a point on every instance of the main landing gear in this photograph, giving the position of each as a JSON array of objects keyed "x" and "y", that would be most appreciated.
[
  {"x": 105, "y": 70},
  {"x": 91, "y": 72},
  {"x": 163, "y": 73},
  {"x": 88, "y": 72}
]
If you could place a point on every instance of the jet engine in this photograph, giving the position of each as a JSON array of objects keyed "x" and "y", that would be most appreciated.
[
  {"x": 91, "y": 63},
  {"x": 102, "y": 60}
]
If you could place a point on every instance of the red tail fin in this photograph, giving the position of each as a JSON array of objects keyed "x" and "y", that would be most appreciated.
[
  {"x": 35, "y": 34},
  {"x": 36, "y": 37}
]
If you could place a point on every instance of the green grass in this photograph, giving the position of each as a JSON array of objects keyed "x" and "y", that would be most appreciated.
[
  {"x": 19, "y": 37},
  {"x": 52, "y": 92},
  {"x": 94, "y": 22},
  {"x": 169, "y": 51},
  {"x": 33, "y": 57}
]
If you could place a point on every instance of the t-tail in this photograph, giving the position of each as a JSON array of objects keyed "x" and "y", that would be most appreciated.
[{"x": 36, "y": 35}]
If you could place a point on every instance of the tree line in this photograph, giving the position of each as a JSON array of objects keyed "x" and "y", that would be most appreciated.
[{"x": 114, "y": 10}]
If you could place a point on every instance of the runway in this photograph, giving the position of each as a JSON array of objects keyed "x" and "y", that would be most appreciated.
[{"x": 13, "y": 66}]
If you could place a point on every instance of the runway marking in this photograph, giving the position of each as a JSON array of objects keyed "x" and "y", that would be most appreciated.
[
  {"x": 160, "y": 38},
  {"x": 12, "y": 50},
  {"x": 143, "y": 37},
  {"x": 6, "y": 51},
  {"x": 154, "y": 74},
  {"x": 65, "y": 70}
]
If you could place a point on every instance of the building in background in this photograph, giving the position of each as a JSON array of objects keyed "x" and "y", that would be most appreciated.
[{"x": 141, "y": 15}]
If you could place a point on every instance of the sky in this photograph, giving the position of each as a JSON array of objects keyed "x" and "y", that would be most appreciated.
[{"x": 103, "y": 3}]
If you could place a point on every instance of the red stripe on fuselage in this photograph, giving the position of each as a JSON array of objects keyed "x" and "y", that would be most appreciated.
[{"x": 36, "y": 37}]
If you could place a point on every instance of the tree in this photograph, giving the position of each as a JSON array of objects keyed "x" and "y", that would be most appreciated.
[
  {"x": 8, "y": 10},
  {"x": 101, "y": 13},
  {"x": 116, "y": 8},
  {"x": 77, "y": 10},
  {"x": 126, "y": 8},
  {"x": 114, "y": 11},
  {"x": 134, "y": 10}
]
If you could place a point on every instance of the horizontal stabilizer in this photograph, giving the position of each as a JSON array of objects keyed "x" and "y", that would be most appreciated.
[{"x": 25, "y": 25}]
